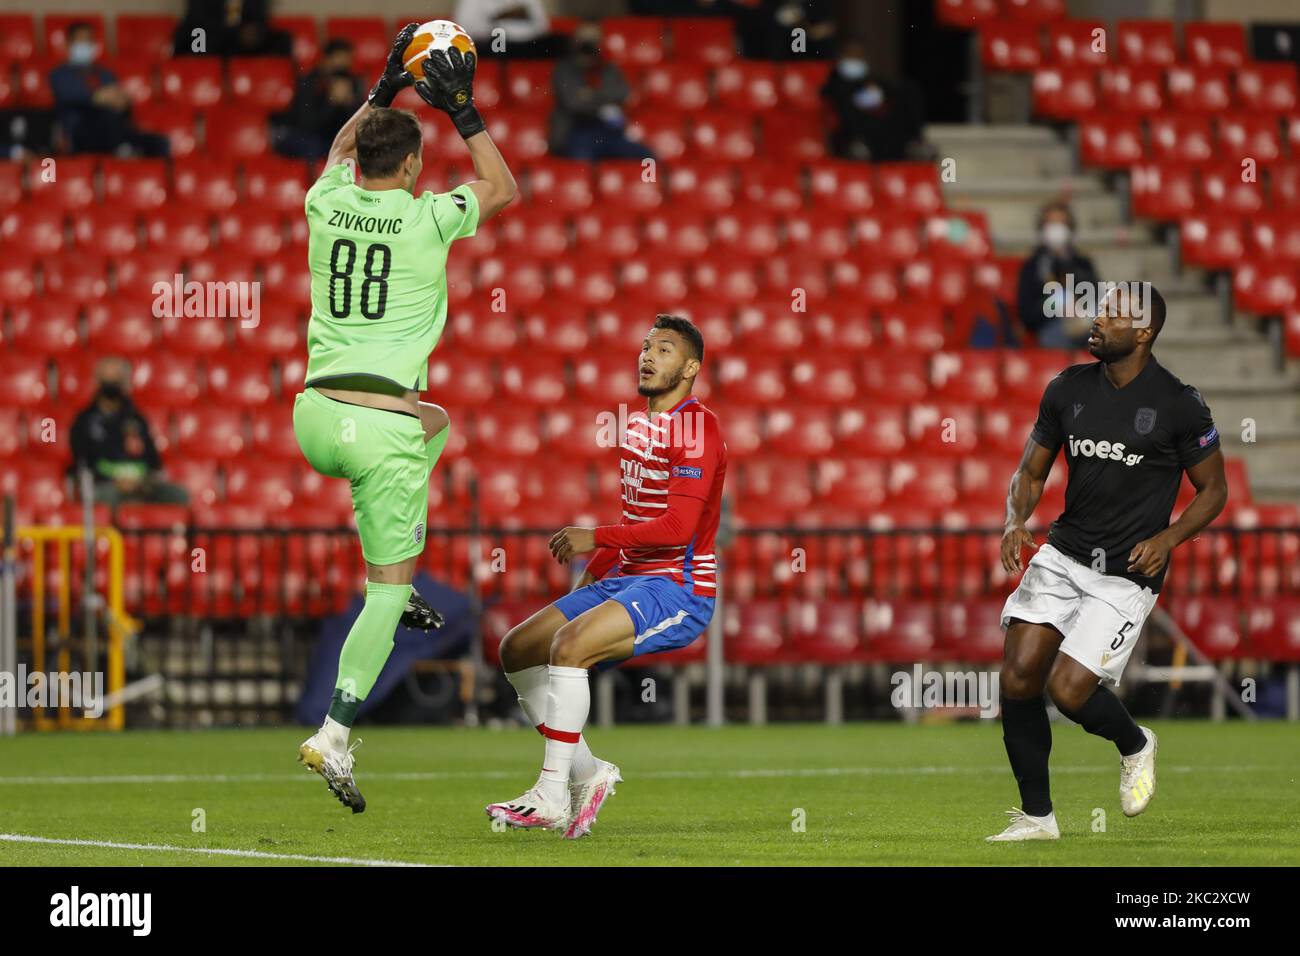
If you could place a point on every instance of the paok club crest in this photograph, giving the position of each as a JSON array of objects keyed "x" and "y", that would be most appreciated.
[{"x": 1144, "y": 421}]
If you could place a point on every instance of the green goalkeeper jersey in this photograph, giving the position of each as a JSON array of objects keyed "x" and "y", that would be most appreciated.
[{"x": 378, "y": 277}]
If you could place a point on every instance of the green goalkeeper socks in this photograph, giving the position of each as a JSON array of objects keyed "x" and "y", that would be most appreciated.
[{"x": 367, "y": 648}]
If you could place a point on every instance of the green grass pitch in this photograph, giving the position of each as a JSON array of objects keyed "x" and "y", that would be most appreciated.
[{"x": 866, "y": 793}]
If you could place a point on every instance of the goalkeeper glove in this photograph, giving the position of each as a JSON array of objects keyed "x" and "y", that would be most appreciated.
[
  {"x": 448, "y": 85},
  {"x": 395, "y": 78}
]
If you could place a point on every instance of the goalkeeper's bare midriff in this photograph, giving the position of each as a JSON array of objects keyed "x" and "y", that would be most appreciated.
[{"x": 408, "y": 401}]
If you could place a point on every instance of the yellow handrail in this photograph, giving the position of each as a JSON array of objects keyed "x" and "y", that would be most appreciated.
[{"x": 120, "y": 624}]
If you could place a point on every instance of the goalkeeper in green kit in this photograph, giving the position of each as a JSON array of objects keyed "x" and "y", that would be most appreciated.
[{"x": 378, "y": 257}]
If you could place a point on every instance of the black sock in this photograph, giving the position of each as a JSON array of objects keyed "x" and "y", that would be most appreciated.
[
  {"x": 1104, "y": 715},
  {"x": 1028, "y": 736}
]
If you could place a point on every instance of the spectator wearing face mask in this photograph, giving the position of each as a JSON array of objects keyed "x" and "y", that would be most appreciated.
[
  {"x": 325, "y": 99},
  {"x": 1054, "y": 260},
  {"x": 875, "y": 119},
  {"x": 91, "y": 108},
  {"x": 111, "y": 439},
  {"x": 587, "y": 122}
]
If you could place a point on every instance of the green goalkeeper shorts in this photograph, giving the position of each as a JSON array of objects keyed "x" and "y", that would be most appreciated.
[{"x": 382, "y": 454}]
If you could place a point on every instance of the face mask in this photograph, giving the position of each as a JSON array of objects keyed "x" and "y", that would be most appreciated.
[
  {"x": 111, "y": 391},
  {"x": 1056, "y": 235},
  {"x": 81, "y": 53},
  {"x": 589, "y": 50},
  {"x": 852, "y": 69}
]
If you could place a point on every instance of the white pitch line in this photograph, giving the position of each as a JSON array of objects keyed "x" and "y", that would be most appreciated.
[
  {"x": 162, "y": 848},
  {"x": 420, "y": 776}
]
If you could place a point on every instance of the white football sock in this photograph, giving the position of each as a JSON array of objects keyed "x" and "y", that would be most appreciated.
[
  {"x": 533, "y": 685},
  {"x": 567, "y": 706},
  {"x": 335, "y": 733}
]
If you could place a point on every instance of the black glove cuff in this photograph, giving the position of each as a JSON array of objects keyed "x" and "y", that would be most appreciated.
[
  {"x": 382, "y": 94},
  {"x": 468, "y": 121}
]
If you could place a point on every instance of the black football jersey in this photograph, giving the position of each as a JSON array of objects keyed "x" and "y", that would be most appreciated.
[{"x": 1126, "y": 450}]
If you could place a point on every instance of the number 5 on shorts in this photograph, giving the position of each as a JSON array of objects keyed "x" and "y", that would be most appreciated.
[{"x": 1119, "y": 638}]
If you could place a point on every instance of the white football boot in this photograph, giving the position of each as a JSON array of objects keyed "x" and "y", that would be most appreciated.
[
  {"x": 588, "y": 797},
  {"x": 1025, "y": 827},
  {"x": 1137, "y": 777},
  {"x": 531, "y": 811},
  {"x": 317, "y": 754}
]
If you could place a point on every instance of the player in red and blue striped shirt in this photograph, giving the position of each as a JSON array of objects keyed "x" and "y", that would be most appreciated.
[{"x": 649, "y": 586}]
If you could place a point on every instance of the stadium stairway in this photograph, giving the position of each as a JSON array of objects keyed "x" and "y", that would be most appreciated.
[{"x": 1008, "y": 171}]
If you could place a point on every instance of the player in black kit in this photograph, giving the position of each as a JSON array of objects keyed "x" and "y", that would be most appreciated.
[{"x": 1129, "y": 429}]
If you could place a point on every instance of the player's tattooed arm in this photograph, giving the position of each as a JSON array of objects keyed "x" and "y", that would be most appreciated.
[
  {"x": 1022, "y": 497},
  {"x": 1207, "y": 477}
]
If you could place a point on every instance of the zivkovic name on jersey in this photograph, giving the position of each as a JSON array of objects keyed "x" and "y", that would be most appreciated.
[{"x": 1087, "y": 448}]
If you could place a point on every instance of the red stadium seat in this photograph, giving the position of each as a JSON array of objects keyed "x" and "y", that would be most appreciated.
[
  {"x": 260, "y": 83},
  {"x": 633, "y": 40},
  {"x": 971, "y": 631},
  {"x": 722, "y": 136},
  {"x": 1212, "y": 240},
  {"x": 1078, "y": 43},
  {"x": 118, "y": 327},
  {"x": 1223, "y": 188},
  {"x": 50, "y": 328},
  {"x": 794, "y": 137},
  {"x": 11, "y": 183},
  {"x": 72, "y": 185},
  {"x": 751, "y": 378},
  {"x": 670, "y": 232},
  {"x": 968, "y": 376},
  {"x": 795, "y": 431},
  {"x": 800, "y": 84},
  {"x": 244, "y": 380},
  {"x": 528, "y": 83},
  {"x": 17, "y": 274},
  {"x": 534, "y": 380},
  {"x": 825, "y": 631},
  {"x": 17, "y": 37},
  {"x": 562, "y": 184},
  {"x": 1065, "y": 92},
  {"x": 911, "y": 186},
  {"x": 1034, "y": 11},
  {"x": 900, "y": 630},
  {"x": 1025, "y": 374},
  {"x": 1201, "y": 89},
  {"x": 22, "y": 380},
  {"x": 746, "y": 86},
  {"x": 178, "y": 124},
  {"x": 235, "y": 132},
  {"x": 593, "y": 282},
  {"x": 1181, "y": 137},
  {"x": 1275, "y": 238},
  {"x": 135, "y": 75},
  {"x": 111, "y": 230},
  {"x": 947, "y": 430},
  {"x": 774, "y": 185},
  {"x": 1132, "y": 89},
  {"x": 34, "y": 89},
  {"x": 181, "y": 229},
  {"x": 822, "y": 233},
  {"x": 1215, "y": 44},
  {"x": 193, "y": 81},
  {"x": 1213, "y": 623},
  {"x": 1163, "y": 191},
  {"x": 169, "y": 382},
  {"x": 266, "y": 483},
  {"x": 1250, "y": 134},
  {"x": 305, "y": 35},
  {"x": 707, "y": 40},
  {"x": 1268, "y": 87},
  {"x": 253, "y": 230},
  {"x": 1112, "y": 142},
  {"x": 135, "y": 183},
  {"x": 1267, "y": 288},
  {"x": 206, "y": 183},
  {"x": 675, "y": 87},
  {"x": 1008, "y": 45},
  {"x": 619, "y": 182},
  {"x": 663, "y": 131},
  {"x": 370, "y": 37},
  {"x": 842, "y": 185},
  {"x": 146, "y": 38},
  {"x": 35, "y": 226},
  {"x": 1273, "y": 628},
  {"x": 210, "y": 432},
  {"x": 1147, "y": 42},
  {"x": 522, "y": 134}
]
